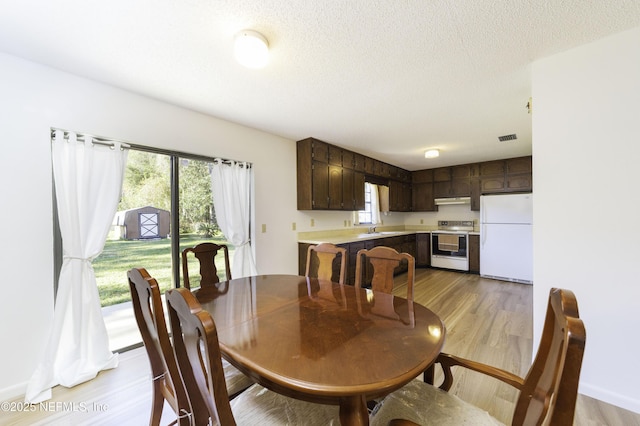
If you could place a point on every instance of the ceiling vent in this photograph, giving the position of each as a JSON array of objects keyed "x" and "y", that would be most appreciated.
[{"x": 507, "y": 138}]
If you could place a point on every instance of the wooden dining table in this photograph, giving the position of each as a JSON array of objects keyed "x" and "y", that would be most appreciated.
[{"x": 321, "y": 341}]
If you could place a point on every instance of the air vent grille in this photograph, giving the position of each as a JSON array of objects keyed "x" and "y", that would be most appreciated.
[{"x": 507, "y": 138}]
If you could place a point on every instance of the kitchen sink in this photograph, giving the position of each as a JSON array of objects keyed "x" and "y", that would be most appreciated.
[{"x": 377, "y": 234}]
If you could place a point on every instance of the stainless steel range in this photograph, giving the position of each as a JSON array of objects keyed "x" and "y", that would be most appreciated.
[{"x": 449, "y": 244}]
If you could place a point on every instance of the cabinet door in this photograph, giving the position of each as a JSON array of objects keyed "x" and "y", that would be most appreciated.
[
  {"x": 492, "y": 168},
  {"x": 394, "y": 195},
  {"x": 475, "y": 194},
  {"x": 384, "y": 169},
  {"x": 474, "y": 253},
  {"x": 335, "y": 188},
  {"x": 348, "y": 159},
  {"x": 422, "y": 197},
  {"x": 442, "y": 189},
  {"x": 320, "y": 187},
  {"x": 348, "y": 194},
  {"x": 351, "y": 263},
  {"x": 422, "y": 176},
  {"x": 320, "y": 151},
  {"x": 518, "y": 183},
  {"x": 358, "y": 162},
  {"x": 492, "y": 184},
  {"x": 369, "y": 165},
  {"x": 335, "y": 156},
  {"x": 518, "y": 165},
  {"x": 358, "y": 191},
  {"x": 461, "y": 172},
  {"x": 460, "y": 187},
  {"x": 423, "y": 249},
  {"x": 406, "y": 197},
  {"x": 442, "y": 174},
  {"x": 304, "y": 174}
]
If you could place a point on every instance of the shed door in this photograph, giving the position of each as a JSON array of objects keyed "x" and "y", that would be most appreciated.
[{"x": 149, "y": 225}]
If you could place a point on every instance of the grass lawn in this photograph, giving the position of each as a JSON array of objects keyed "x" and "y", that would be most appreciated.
[{"x": 119, "y": 256}]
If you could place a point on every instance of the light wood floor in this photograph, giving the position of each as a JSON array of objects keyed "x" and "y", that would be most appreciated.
[{"x": 487, "y": 320}]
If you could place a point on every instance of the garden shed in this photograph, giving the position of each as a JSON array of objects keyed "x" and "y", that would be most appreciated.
[{"x": 143, "y": 223}]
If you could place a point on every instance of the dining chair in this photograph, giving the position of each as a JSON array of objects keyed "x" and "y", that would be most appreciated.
[
  {"x": 326, "y": 253},
  {"x": 384, "y": 260},
  {"x": 547, "y": 394},
  {"x": 206, "y": 254},
  {"x": 167, "y": 383},
  {"x": 198, "y": 355}
]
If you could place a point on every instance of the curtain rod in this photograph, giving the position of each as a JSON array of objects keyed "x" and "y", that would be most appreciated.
[
  {"x": 107, "y": 141},
  {"x": 84, "y": 137},
  {"x": 231, "y": 162}
]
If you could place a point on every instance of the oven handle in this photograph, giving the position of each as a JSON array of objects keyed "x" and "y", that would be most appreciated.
[{"x": 451, "y": 257}]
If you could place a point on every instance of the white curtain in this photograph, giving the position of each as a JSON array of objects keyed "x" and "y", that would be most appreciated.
[
  {"x": 383, "y": 199},
  {"x": 88, "y": 183},
  {"x": 375, "y": 204},
  {"x": 231, "y": 184}
]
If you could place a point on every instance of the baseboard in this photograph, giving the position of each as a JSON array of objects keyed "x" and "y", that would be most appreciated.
[
  {"x": 13, "y": 392},
  {"x": 612, "y": 398}
]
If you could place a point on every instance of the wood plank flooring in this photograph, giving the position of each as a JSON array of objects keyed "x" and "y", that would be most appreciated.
[{"x": 487, "y": 320}]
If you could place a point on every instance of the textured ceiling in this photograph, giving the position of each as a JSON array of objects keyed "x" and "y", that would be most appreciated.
[{"x": 385, "y": 78}]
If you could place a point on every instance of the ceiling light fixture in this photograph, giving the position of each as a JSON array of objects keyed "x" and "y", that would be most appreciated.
[
  {"x": 251, "y": 49},
  {"x": 431, "y": 153}
]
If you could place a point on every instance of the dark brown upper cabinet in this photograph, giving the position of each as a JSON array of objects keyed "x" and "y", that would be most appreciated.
[{"x": 332, "y": 178}]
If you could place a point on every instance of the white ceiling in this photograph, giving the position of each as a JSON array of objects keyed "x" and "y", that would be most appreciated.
[{"x": 385, "y": 78}]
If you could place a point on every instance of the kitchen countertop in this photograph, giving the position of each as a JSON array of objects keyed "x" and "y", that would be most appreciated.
[{"x": 341, "y": 237}]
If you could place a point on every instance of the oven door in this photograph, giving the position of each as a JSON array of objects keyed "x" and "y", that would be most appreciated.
[
  {"x": 449, "y": 245},
  {"x": 449, "y": 250}
]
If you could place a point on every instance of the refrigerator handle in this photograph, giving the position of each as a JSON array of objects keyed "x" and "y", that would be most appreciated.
[{"x": 483, "y": 233}]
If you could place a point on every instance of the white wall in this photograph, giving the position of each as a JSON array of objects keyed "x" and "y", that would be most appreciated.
[
  {"x": 34, "y": 98},
  {"x": 586, "y": 150}
]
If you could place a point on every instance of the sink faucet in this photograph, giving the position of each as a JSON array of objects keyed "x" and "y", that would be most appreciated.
[{"x": 372, "y": 229}]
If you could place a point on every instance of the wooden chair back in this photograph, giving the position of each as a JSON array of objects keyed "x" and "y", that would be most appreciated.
[
  {"x": 551, "y": 385},
  {"x": 384, "y": 260},
  {"x": 326, "y": 253},
  {"x": 205, "y": 253},
  {"x": 167, "y": 382},
  {"x": 199, "y": 359}
]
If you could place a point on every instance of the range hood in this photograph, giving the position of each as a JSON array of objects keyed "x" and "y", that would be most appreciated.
[{"x": 452, "y": 200}]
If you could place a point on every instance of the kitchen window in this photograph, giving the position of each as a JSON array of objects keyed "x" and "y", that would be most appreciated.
[{"x": 364, "y": 216}]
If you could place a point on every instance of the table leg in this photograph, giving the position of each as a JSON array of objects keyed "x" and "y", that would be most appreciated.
[
  {"x": 353, "y": 411},
  {"x": 429, "y": 374}
]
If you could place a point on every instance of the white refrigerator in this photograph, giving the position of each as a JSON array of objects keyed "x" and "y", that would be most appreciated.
[{"x": 506, "y": 237}]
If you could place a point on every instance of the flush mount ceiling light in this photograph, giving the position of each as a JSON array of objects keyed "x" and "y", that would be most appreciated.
[
  {"x": 431, "y": 153},
  {"x": 251, "y": 49}
]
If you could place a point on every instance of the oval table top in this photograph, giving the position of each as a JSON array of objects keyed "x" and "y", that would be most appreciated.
[{"x": 321, "y": 341}]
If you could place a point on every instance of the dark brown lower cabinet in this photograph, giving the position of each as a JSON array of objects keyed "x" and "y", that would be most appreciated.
[
  {"x": 423, "y": 250},
  {"x": 402, "y": 243}
]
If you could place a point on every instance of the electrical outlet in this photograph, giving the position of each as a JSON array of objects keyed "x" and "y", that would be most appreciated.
[
  {"x": 313, "y": 222},
  {"x": 293, "y": 226},
  {"x": 264, "y": 228},
  {"x": 421, "y": 221}
]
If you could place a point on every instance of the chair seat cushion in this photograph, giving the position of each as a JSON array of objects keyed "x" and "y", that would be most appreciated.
[
  {"x": 425, "y": 404},
  {"x": 260, "y": 406},
  {"x": 236, "y": 380}
]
